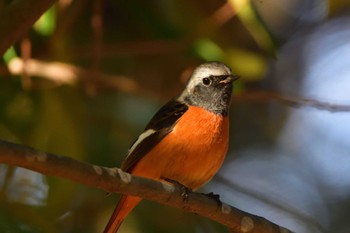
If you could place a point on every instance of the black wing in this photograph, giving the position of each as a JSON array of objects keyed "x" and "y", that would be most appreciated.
[{"x": 160, "y": 125}]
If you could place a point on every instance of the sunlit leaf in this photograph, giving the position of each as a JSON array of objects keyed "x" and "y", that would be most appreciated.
[
  {"x": 47, "y": 22},
  {"x": 251, "y": 21},
  {"x": 9, "y": 55},
  {"x": 208, "y": 50},
  {"x": 246, "y": 64}
]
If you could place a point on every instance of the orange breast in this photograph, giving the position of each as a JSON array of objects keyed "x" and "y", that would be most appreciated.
[{"x": 192, "y": 153}]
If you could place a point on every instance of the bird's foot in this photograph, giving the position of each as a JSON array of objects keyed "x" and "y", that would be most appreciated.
[
  {"x": 185, "y": 191},
  {"x": 215, "y": 197}
]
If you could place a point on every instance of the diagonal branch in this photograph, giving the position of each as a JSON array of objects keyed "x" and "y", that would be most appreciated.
[{"x": 115, "y": 180}]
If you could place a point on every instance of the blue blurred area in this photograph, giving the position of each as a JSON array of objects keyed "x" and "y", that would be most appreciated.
[
  {"x": 27, "y": 187},
  {"x": 300, "y": 180}
]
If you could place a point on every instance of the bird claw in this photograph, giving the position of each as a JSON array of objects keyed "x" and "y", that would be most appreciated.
[
  {"x": 185, "y": 191},
  {"x": 215, "y": 197}
]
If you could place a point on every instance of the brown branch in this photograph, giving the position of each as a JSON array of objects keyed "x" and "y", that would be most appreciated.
[
  {"x": 115, "y": 180},
  {"x": 264, "y": 96},
  {"x": 63, "y": 73},
  {"x": 97, "y": 29},
  {"x": 223, "y": 14},
  {"x": 17, "y": 18}
]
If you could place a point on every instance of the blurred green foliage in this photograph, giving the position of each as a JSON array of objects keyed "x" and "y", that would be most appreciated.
[
  {"x": 9, "y": 55},
  {"x": 45, "y": 26}
]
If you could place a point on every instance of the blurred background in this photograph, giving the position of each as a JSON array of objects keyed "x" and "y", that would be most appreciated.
[{"x": 88, "y": 76}]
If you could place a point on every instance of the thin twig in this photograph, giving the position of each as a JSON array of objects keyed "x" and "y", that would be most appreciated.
[
  {"x": 97, "y": 29},
  {"x": 63, "y": 73},
  {"x": 115, "y": 180},
  {"x": 26, "y": 51},
  {"x": 264, "y": 96}
]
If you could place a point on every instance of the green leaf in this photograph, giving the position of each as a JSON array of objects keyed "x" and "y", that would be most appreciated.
[
  {"x": 209, "y": 50},
  {"x": 9, "y": 55},
  {"x": 47, "y": 22},
  {"x": 248, "y": 65}
]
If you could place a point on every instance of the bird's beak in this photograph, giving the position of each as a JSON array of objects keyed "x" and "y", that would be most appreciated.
[{"x": 229, "y": 78}]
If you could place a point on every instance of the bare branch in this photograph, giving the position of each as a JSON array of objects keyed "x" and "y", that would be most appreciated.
[
  {"x": 17, "y": 18},
  {"x": 63, "y": 73},
  {"x": 295, "y": 101},
  {"x": 115, "y": 180}
]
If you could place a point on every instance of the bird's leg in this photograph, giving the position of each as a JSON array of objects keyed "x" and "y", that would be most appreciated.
[{"x": 185, "y": 191}]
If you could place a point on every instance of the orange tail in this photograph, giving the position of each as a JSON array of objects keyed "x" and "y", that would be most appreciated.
[{"x": 125, "y": 206}]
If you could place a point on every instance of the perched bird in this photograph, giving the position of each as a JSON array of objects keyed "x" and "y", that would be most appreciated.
[{"x": 186, "y": 140}]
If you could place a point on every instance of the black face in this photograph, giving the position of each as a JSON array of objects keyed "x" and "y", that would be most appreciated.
[{"x": 212, "y": 93}]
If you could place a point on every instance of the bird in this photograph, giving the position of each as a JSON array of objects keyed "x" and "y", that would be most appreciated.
[{"x": 186, "y": 141}]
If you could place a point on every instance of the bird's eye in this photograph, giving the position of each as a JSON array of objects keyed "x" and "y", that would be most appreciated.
[{"x": 206, "y": 81}]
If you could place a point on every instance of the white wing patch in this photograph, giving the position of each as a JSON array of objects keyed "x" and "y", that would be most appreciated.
[{"x": 142, "y": 136}]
